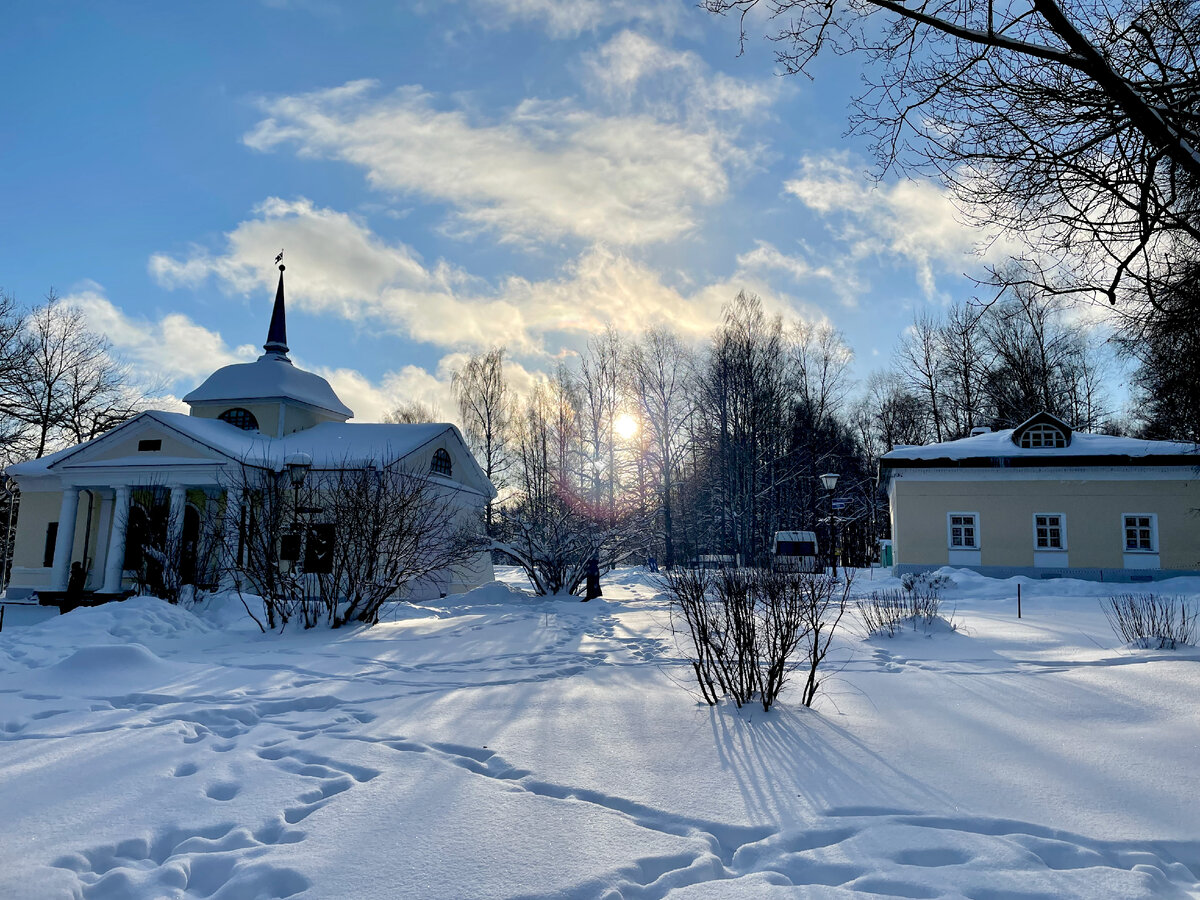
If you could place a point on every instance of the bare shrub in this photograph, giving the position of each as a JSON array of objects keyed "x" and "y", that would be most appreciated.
[
  {"x": 749, "y": 630},
  {"x": 346, "y": 542},
  {"x": 1151, "y": 621},
  {"x": 926, "y": 582},
  {"x": 888, "y": 612}
]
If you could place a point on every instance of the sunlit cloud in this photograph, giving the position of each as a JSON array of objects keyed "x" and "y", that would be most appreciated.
[
  {"x": 390, "y": 287},
  {"x": 540, "y": 171},
  {"x": 914, "y": 221}
]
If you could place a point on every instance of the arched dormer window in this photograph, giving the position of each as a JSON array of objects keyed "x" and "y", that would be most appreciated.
[
  {"x": 441, "y": 464},
  {"x": 240, "y": 418},
  {"x": 1043, "y": 435}
]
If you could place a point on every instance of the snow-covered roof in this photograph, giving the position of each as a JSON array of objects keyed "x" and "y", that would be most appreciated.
[
  {"x": 330, "y": 445},
  {"x": 270, "y": 377},
  {"x": 997, "y": 445}
]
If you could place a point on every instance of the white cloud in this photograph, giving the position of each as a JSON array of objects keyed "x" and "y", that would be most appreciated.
[
  {"x": 672, "y": 83},
  {"x": 766, "y": 257},
  {"x": 388, "y": 286},
  {"x": 179, "y": 353},
  {"x": 541, "y": 171},
  {"x": 912, "y": 220},
  {"x": 173, "y": 347},
  {"x": 569, "y": 18}
]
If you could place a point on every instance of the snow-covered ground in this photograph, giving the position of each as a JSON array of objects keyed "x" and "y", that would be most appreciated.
[{"x": 499, "y": 745}]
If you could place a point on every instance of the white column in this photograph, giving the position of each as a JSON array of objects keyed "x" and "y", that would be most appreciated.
[
  {"x": 114, "y": 559},
  {"x": 175, "y": 516},
  {"x": 64, "y": 542}
]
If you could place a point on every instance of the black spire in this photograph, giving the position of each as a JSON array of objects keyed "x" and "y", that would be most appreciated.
[{"x": 277, "y": 334}]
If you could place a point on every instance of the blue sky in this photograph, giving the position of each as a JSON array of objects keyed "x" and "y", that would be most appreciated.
[{"x": 443, "y": 176}]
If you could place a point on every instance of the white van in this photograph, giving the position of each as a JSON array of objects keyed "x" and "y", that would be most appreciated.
[{"x": 795, "y": 551}]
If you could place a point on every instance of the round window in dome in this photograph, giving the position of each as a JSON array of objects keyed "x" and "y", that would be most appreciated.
[{"x": 240, "y": 418}]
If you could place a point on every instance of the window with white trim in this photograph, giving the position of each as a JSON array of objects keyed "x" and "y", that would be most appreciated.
[
  {"x": 1141, "y": 533},
  {"x": 964, "y": 531},
  {"x": 1049, "y": 531},
  {"x": 1043, "y": 435}
]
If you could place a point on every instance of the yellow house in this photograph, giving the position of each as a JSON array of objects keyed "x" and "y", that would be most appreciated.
[
  {"x": 1044, "y": 501},
  {"x": 80, "y": 504}
]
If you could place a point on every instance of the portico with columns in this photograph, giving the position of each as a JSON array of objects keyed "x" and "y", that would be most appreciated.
[{"x": 91, "y": 504}]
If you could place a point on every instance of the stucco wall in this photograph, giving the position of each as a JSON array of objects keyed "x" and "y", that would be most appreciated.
[
  {"x": 171, "y": 446},
  {"x": 1093, "y": 511}
]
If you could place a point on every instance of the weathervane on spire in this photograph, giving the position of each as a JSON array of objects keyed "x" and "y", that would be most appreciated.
[{"x": 279, "y": 259}]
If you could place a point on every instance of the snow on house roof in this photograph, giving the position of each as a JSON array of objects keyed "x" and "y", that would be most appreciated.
[
  {"x": 1000, "y": 445},
  {"x": 270, "y": 377},
  {"x": 329, "y": 444}
]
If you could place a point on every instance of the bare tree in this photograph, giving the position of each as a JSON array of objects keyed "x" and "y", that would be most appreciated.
[
  {"x": 344, "y": 543},
  {"x": 14, "y": 364},
  {"x": 920, "y": 364},
  {"x": 392, "y": 530},
  {"x": 1072, "y": 126},
  {"x": 412, "y": 412},
  {"x": 485, "y": 408},
  {"x": 72, "y": 388},
  {"x": 660, "y": 367},
  {"x": 822, "y": 359}
]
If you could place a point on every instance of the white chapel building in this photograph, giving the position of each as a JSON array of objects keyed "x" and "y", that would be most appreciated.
[{"x": 78, "y": 505}]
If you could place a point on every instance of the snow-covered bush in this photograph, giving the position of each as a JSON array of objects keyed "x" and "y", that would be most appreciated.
[
  {"x": 1150, "y": 621},
  {"x": 888, "y": 612},
  {"x": 748, "y": 630},
  {"x": 925, "y": 582}
]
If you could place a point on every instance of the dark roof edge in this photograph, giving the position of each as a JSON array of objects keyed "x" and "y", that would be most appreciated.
[{"x": 1031, "y": 462}]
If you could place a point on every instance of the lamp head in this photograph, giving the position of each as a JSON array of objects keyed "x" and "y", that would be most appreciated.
[
  {"x": 298, "y": 465},
  {"x": 829, "y": 481}
]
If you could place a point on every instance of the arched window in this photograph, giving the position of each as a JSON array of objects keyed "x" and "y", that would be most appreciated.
[
  {"x": 1042, "y": 435},
  {"x": 240, "y": 418},
  {"x": 441, "y": 464}
]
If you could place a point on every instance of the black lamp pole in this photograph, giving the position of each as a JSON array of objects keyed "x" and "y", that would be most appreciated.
[{"x": 829, "y": 482}]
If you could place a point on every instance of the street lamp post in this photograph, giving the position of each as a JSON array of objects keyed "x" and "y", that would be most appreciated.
[{"x": 829, "y": 481}]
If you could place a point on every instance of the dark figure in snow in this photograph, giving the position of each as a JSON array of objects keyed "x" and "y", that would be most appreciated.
[
  {"x": 652, "y": 563},
  {"x": 593, "y": 580},
  {"x": 75, "y": 583}
]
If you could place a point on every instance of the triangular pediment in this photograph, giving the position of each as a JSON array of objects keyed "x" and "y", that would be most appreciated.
[{"x": 143, "y": 441}]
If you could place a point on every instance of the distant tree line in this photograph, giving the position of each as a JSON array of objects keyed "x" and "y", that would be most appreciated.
[{"x": 650, "y": 447}]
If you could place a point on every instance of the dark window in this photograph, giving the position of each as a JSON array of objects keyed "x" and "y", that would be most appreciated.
[
  {"x": 1139, "y": 534},
  {"x": 441, "y": 464},
  {"x": 149, "y": 445},
  {"x": 51, "y": 539},
  {"x": 318, "y": 552},
  {"x": 962, "y": 532},
  {"x": 1048, "y": 532},
  {"x": 240, "y": 418},
  {"x": 289, "y": 546}
]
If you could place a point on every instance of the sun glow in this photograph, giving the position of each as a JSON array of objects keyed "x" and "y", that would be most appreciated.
[{"x": 626, "y": 426}]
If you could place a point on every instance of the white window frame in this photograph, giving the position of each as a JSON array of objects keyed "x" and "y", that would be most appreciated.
[
  {"x": 1153, "y": 517},
  {"x": 1062, "y": 530},
  {"x": 1042, "y": 430},
  {"x": 950, "y": 531}
]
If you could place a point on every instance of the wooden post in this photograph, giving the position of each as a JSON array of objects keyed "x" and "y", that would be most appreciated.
[{"x": 1018, "y": 601}]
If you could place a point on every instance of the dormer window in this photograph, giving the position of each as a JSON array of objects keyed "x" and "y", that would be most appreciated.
[
  {"x": 441, "y": 464},
  {"x": 1042, "y": 435},
  {"x": 240, "y": 418},
  {"x": 1042, "y": 431}
]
